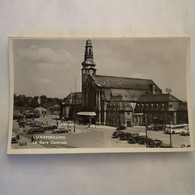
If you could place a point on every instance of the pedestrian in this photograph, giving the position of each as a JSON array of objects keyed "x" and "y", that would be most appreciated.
[{"x": 69, "y": 127}]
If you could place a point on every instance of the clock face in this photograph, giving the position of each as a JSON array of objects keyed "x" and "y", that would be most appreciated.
[{"x": 90, "y": 72}]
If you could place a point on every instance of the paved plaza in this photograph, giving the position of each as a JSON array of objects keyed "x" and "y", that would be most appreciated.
[{"x": 83, "y": 136}]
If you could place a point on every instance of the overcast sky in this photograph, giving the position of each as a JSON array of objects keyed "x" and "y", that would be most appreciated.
[{"x": 50, "y": 67}]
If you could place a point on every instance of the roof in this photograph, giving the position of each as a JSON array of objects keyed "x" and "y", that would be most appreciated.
[
  {"x": 123, "y": 95},
  {"x": 123, "y": 82},
  {"x": 50, "y": 104},
  {"x": 77, "y": 95},
  {"x": 40, "y": 108},
  {"x": 183, "y": 106},
  {"x": 158, "y": 98}
]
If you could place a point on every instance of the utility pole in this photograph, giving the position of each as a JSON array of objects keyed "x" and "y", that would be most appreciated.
[
  {"x": 146, "y": 132},
  {"x": 168, "y": 90},
  {"x": 75, "y": 106}
]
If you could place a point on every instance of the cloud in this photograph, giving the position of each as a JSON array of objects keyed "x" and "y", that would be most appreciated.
[{"x": 45, "y": 55}]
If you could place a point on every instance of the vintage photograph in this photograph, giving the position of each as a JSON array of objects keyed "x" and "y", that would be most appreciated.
[{"x": 94, "y": 95}]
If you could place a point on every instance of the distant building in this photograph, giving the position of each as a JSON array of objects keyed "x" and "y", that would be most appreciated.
[
  {"x": 42, "y": 111},
  {"x": 71, "y": 106},
  {"x": 53, "y": 109}
]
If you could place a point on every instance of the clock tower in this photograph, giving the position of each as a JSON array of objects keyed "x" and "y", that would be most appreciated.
[
  {"x": 88, "y": 65},
  {"x": 88, "y": 68}
]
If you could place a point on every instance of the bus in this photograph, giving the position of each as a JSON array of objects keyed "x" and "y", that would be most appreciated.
[{"x": 173, "y": 129}]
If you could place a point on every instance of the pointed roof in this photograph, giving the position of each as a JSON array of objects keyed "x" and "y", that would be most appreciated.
[
  {"x": 88, "y": 57},
  {"x": 77, "y": 95},
  {"x": 123, "y": 82}
]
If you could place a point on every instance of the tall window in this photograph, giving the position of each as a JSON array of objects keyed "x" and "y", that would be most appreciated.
[{"x": 92, "y": 97}]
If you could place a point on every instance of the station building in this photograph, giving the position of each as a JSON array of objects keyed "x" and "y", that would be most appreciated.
[{"x": 124, "y": 101}]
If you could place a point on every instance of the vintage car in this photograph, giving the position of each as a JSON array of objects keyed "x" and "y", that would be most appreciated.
[
  {"x": 156, "y": 127},
  {"x": 124, "y": 136},
  {"x": 185, "y": 133},
  {"x": 60, "y": 130},
  {"x": 154, "y": 143},
  {"x": 52, "y": 126},
  {"x": 121, "y": 127},
  {"x": 133, "y": 139},
  {"x": 117, "y": 133},
  {"x": 36, "y": 130},
  {"x": 150, "y": 127},
  {"x": 14, "y": 140}
]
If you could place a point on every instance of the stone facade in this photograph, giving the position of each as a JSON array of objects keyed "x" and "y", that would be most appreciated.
[{"x": 123, "y": 101}]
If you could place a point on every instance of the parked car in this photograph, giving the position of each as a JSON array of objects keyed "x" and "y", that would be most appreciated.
[
  {"x": 124, "y": 136},
  {"x": 60, "y": 130},
  {"x": 133, "y": 138},
  {"x": 36, "y": 130},
  {"x": 22, "y": 123},
  {"x": 185, "y": 133},
  {"x": 121, "y": 127},
  {"x": 14, "y": 140},
  {"x": 117, "y": 133},
  {"x": 150, "y": 127},
  {"x": 141, "y": 140},
  {"x": 52, "y": 126},
  {"x": 32, "y": 115},
  {"x": 45, "y": 126},
  {"x": 185, "y": 146},
  {"x": 19, "y": 116},
  {"x": 156, "y": 127},
  {"x": 154, "y": 143}
]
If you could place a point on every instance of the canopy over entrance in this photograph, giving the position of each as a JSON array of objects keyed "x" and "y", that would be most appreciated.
[{"x": 86, "y": 114}]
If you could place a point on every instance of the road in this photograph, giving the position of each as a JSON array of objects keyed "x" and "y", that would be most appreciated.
[{"x": 92, "y": 137}]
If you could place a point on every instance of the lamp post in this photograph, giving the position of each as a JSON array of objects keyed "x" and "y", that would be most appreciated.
[
  {"x": 146, "y": 132},
  {"x": 168, "y": 90},
  {"x": 62, "y": 111},
  {"x": 146, "y": 126}
]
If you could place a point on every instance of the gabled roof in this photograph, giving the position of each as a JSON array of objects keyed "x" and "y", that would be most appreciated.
[
  {"x": 77, "y": 95},
  {"x": 158, "y": 98},
  {"x": 123, "y": 82}
]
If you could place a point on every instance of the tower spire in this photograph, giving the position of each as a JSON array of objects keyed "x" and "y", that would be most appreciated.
[
  {"x": 88, "y": 57},
  {"x": 88, "y": 68}
]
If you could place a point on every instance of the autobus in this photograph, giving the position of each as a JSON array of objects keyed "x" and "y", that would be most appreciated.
[{"x": 173, "y": 129}]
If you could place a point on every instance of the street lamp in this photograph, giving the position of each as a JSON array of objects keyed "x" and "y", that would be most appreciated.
[
  {"x": 62, "y": 112},
  {"x": 168, "y": 90}
]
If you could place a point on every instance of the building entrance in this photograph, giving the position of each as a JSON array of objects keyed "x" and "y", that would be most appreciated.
[{"x": 128, "y": 123}]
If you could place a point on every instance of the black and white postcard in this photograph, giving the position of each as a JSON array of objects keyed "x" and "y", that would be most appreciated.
[{"x": 99, "y": 95}]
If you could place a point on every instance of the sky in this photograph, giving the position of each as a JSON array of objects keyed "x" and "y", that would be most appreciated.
[{"x": 52, "y": 67}]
